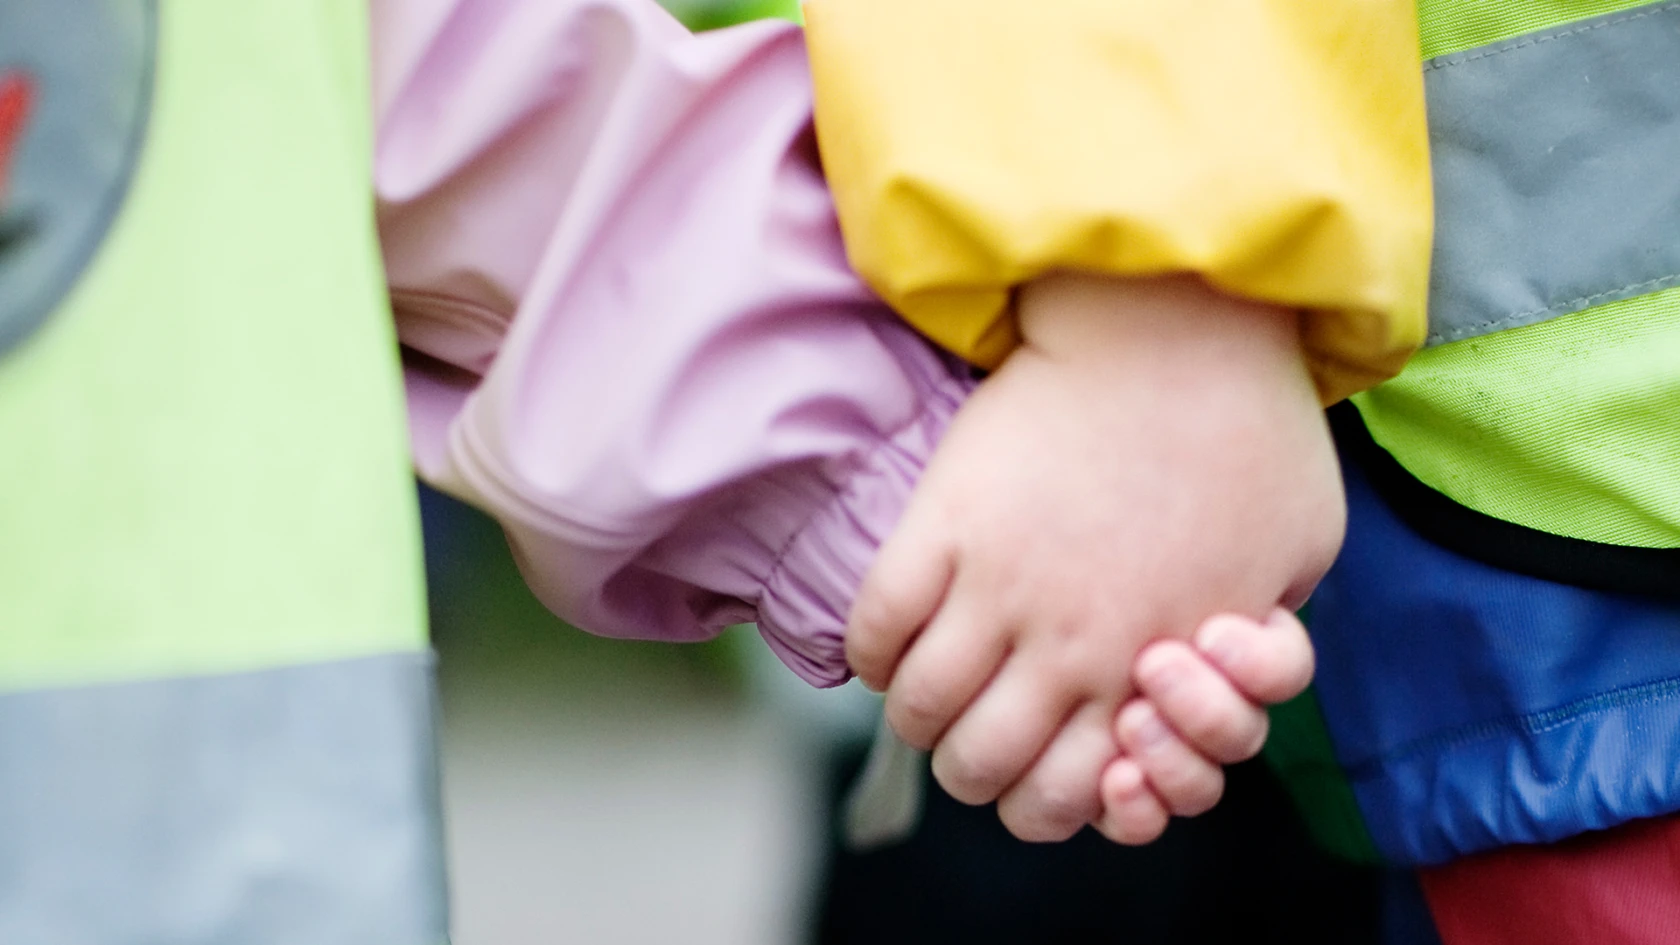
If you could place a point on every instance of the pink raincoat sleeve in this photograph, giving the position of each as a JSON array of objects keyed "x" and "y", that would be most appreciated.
[{"x": 633, "y": 335}]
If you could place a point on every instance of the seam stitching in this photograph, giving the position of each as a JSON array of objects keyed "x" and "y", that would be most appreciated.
[
  {"x": 1454, "y": 59},
  {"x": 1532, "y": 723},
  {"x": 1561, "y": 308}
]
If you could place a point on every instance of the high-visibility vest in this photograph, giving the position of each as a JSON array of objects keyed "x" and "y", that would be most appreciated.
[
  {"x": 216, "y": 709},
  {"x": 1500, "y": 640}
]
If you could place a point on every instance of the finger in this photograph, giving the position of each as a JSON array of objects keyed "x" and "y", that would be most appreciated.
[
  {"x": 989, "y": 747},
  {"x": 1199, "y": 703},
  {"x": 1186, "y": 783},
  {"x": 1132, "y": 814},
  {"x": 1059, "y": 795},
  {"x": 1268, "y": 663},
  {"x": 944, "y": 668},
  {"x": 900, "y": 593}
]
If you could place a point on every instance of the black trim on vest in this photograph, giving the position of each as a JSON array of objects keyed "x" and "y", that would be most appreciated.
[{"x": 1617, "y": 569}]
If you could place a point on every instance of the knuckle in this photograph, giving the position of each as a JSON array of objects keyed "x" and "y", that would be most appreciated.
[
  {"x": 1303, "y": 667},
  {"x": 967, "y": 777},
  {"x": 1231, "y": 736},
  {"x": 1279, "y": 665},
  {"x": 1255, "y": 740},
  {"x": 1285, "y": 677},
  {"x": 874, "y": 612},
  {"x": 918, "y": 712},
  {"x": 1196, "y": 794},
  {"x": 1068, "y": 626},
  {"x": 1195, "y": 806},
  {"x": 1131, "y": 814},
  {"x": 1135, "y": 828},
  {"x": 1084, "y": 671},
  {"x": 1055, "y": 809},
  {"x": 1048, "y": 812},
  {"x": 1160, "y": 667},
  {"x": 1323, "y": 538},
  {"x": 865, "y": 663},
  {"x": 1037, "y": 828},
  {"x": 866, "y": 646},
  {"x": 1200, "y": 715}
]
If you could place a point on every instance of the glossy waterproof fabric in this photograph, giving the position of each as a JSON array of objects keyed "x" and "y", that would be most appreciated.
[
  {"x": 1276, "y": 147},
  {"x": 639, "y": 345},
  {"x": 1472, "y": 708},
  {"x": 1554, "y": 157},
  {"x": 268, "y": 808}
]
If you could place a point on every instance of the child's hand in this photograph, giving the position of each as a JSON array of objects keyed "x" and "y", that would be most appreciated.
[
  {"x": 1154, "y": 454},
  {"x": 1211, "y": 699},
  {"x": 1200, "y": 708}
]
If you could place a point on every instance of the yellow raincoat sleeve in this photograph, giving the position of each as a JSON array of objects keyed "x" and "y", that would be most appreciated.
[{"x": 1276, "y": 147}]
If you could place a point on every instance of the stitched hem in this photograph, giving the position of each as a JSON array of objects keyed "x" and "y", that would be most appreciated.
[
  {"x": 1458, "y": 59},
  {"x": 1570, "y": 307},
  {"x": 1532, "y": 723}
]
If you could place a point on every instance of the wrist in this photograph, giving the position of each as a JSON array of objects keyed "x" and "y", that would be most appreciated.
[{"x": 1157, "y": 321}]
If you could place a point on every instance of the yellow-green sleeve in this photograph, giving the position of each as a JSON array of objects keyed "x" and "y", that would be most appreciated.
[{"x": 1276, "y": 147}]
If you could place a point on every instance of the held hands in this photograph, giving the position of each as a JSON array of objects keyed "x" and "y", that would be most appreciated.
[
  {"x": 1153, "y": 455},
  {"x": 1199, "y": 708}
]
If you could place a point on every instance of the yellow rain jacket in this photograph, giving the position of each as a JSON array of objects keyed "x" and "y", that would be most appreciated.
[{"x": 1275, "y": 147}]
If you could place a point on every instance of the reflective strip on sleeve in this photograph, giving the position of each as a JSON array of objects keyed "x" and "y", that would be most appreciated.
[
  {"x": 285, "y": 806},
  {"x": 66, "y": 166},
  {"x": 1554, "y": 158}
]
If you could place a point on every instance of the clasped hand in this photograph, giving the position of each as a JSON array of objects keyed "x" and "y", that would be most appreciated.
[{"x": 1086, "y": 606}]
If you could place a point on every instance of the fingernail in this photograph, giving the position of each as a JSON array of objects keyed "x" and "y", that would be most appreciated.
[
  {"x": 1216, "y": 642},
  {"x": 1150, "y": 732},
  {"x": 1159, "y": 670},
  {"x": 1125, "y": 777}
]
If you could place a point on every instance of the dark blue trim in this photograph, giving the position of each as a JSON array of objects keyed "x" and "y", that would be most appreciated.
[
  {"x": 1474, "y": 708},
  {"x": 1617, "y": 569}
]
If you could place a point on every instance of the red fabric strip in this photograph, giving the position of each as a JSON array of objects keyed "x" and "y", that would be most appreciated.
[{"x": 1615, "y": 887}]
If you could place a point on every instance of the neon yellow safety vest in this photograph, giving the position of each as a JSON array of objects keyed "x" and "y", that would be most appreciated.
[
  {"x": 215, "y": 685},
  {"x": 1548, "y": 392},
  {"x": 1536, "y": 434}
]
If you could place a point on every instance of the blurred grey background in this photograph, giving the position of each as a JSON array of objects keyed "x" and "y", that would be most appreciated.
[
  {"x": 608, "y": 792},
  {"x": 605, "y": 791}
]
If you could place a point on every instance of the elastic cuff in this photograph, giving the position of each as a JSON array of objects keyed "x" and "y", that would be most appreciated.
[{"x": 808, "y": 591}]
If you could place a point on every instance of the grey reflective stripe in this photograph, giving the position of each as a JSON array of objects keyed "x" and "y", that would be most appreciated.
[
  {"x": 91, "y": 62},
  {"x": 1557, "y": 172},
  {"x": 287, "y": 806}
]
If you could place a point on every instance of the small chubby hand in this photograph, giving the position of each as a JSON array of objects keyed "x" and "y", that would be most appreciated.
[
  {"x": 1154, "y": 454},
  {"x": 1200, "y": 706}
]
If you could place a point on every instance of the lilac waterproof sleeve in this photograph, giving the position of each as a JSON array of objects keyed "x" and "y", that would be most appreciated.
[{"x": 634, "y": 336}]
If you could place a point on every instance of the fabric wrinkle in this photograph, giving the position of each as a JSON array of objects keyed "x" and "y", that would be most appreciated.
[{"x": 644, "y": 351}]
